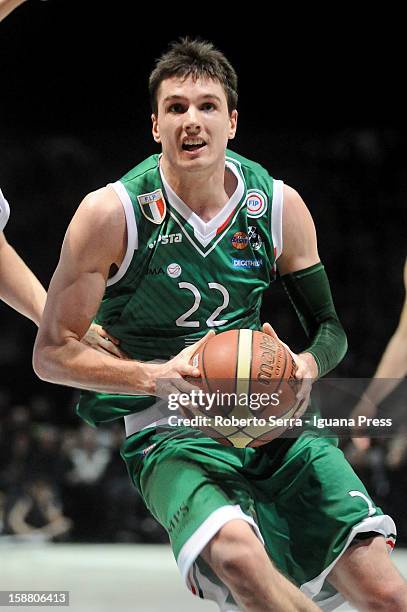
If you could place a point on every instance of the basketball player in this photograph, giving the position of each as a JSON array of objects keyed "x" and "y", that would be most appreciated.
[
  {"x": 390, "y": 372},
  {"x": 285, "y": 527},
  {"x": 22, "y": 290}
]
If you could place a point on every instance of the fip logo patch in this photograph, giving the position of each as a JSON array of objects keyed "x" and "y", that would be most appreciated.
[{"x": 256, "y": 203}]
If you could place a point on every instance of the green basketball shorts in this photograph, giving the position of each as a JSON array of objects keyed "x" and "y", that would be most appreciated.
[{"x": 302, "y": 499}]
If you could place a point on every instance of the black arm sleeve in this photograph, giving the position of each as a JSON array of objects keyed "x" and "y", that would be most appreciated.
[{"x": 310, "y": 294}]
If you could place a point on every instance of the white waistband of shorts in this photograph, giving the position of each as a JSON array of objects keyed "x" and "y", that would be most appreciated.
[{"x": 151, "y": 417}]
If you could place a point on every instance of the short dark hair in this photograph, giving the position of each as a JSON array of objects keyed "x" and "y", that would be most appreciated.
[{"x": 198, "y": 59}]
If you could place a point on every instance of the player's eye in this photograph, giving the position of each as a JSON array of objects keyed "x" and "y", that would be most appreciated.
[
  {"x": 176, "y": 108},
  {"x": 208, "y": 106}
]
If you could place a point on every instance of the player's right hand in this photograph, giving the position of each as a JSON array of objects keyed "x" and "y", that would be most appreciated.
[{"x": 172, "y": 375}]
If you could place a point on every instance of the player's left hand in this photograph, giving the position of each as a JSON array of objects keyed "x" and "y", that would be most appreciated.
[
  {"x": 307, "y": 372},
  {"x": 101, "y": 341}
]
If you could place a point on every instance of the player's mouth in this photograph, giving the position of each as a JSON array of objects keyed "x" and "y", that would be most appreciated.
[{"x": 193, "y": 144}]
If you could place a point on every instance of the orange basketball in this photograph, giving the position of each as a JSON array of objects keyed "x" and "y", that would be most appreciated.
[{"x": 248, "y": 388}]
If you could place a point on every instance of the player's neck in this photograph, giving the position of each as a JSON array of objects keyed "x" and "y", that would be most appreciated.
[{"x": 205, "y": 193}]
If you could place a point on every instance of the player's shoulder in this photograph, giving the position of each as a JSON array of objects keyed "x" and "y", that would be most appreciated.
[
  {"x": 291, "y": 197},
  {"x": 248, "y": 166},
  {"x": 101, "y": 208},
  {"x": 141, "y": 171},
  {"x": 98, "y": 227}
]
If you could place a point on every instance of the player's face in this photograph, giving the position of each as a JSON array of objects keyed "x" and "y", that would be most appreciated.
[{"x": 193, "y": 123}]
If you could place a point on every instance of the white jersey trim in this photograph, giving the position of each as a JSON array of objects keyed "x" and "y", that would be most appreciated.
[
  {"x": 132, "y": 234},
  {"x": 277, "y": 216},
  {"x": 150, "y": 417},
  {"x": 214, "y": 244},
  {"x": 382, "y": 524},
  {"x": 205, "y": 232},
  {"x": 4, "y": 211},
  {"x": 205, "y": 532}
]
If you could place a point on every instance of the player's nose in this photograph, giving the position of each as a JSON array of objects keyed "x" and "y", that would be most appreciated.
[{"x": 191, "y": 120}]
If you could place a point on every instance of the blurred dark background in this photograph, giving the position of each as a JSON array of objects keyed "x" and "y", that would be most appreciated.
[{"x": 323, "y": 113}]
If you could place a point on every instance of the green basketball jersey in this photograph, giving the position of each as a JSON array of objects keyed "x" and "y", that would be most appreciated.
[{"x": 181, "y": 276}]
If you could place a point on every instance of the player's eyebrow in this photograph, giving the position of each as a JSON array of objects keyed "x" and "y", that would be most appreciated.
[{"x": 203, "y": 96}]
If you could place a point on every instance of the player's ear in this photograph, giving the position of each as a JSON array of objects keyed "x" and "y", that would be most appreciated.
[
  {"x": 155, "y": 130},
  {"x": 232, "y": 124}
]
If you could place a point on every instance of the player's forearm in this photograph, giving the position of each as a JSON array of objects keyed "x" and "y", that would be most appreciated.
[
  {"x": 394, "y": 361},
  {"x": 310, "y": 294},
  {"x": 76, "y": 365},
  {"x": 391, "y": 369},
  {"x": 7, "y": 6},
  {"x": 19, "y": 287}
]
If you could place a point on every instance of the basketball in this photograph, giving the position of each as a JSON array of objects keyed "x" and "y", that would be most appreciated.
[{"x": 248, "y": 388}]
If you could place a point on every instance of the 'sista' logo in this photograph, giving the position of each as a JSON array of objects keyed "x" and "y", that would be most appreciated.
[
  {"x": 166, "y": 239},
  {"x": 240, "y": 240}
]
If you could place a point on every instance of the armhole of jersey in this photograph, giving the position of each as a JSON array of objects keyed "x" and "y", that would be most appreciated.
[
  {"x": 4, "y": 211},
  {"x": 277, "y": 217},
  {"x": 132, "y": 234}
]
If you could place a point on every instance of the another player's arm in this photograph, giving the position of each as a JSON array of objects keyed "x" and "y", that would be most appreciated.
[
  {"x": 23, "y": 291},
  {"x": 306, "y": 283},
  {"x": 392, "y": 367},
  {"x": 7, "y": 6},
  {"x": 390, "y": 372},
  {"x": 18, "y": 286},
  {"x": 95, "y": 241}
]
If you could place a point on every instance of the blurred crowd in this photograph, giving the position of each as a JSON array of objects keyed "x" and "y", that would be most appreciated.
[{"x": 67, "y": 484}]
